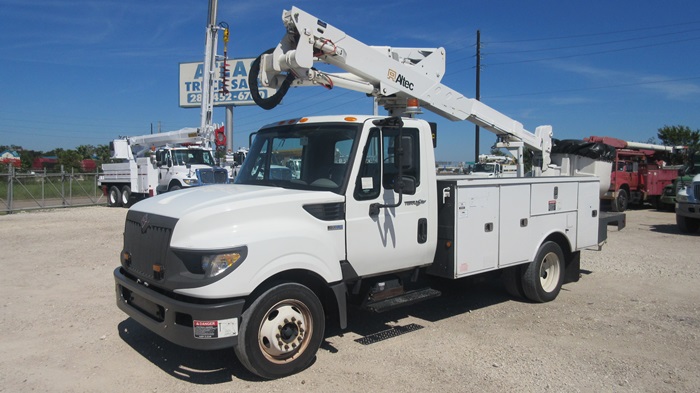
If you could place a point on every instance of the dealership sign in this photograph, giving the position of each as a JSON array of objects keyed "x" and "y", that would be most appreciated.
[{"x": 236, "y": 80}]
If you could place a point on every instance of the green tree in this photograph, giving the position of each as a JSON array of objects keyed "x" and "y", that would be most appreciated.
[
  {"x": 27, "y": 157},
  {"x": 69, "y": 159},
  {"x": 85, "y": 151},
  {"x": 680, "y": 136},
  {"x": 102, "y": 153}
]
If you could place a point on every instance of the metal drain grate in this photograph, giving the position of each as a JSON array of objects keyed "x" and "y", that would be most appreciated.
[{"x": 387, "y": 334}]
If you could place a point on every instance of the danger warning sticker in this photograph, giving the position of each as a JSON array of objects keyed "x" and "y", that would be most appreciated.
[{"x": 215, "y": 329}]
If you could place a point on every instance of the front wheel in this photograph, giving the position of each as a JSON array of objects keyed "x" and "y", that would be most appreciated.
[
  {"x": 687, "y": 224},
  {"x": 621, "y": 203},
  {"x": 543, "y": 277},
  {"x": 281, "y": 331}
]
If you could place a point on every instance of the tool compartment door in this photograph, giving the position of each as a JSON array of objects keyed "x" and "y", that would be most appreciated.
[{"x": 477, "y": 228}]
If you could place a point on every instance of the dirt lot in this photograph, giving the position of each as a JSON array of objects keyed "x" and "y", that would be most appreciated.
[{"x": 630, "y": 324}]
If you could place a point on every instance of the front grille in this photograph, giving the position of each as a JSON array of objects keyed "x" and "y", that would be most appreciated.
[
  {"x": 220, "y": 176},
  {"x": 206, "y": 176},
  {"x": 147, "y": 240},
  {"x": 212, "y": 176},
  {"x": 696, "y": 191}
]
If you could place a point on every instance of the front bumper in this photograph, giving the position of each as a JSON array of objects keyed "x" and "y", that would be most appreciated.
[
  {"x": 174, "y": 319},
  {"x": 686, "y": 209}
]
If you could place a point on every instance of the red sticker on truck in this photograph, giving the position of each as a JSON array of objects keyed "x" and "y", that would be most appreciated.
[{"x": 215, "y": 329}]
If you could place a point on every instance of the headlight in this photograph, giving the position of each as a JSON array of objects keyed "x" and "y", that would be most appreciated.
[
  {"x": 190, "y": 182},
  {"x": 216, "y": 264}
]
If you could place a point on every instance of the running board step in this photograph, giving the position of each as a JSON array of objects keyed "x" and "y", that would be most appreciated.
[{"x": 403, "y": 300}]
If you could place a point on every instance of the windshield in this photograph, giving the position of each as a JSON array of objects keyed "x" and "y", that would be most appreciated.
[
  {"x": 193, "y": 157},
  {"x": 484, "y": 168},
  {"x": 308, "y": 157}
]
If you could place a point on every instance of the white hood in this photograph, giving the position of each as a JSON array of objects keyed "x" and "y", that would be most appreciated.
[{"x": 228, "y": 215}]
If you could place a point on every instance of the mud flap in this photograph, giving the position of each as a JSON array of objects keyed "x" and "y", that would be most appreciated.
[{"x": 573, "y": 268}]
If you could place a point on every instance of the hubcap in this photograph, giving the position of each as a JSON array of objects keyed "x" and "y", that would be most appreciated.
[
  {"x": 549, "y": 272},
  {"x": 285, "y": 331}
]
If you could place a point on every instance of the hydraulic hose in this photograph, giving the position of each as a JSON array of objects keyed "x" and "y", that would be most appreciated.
[{"x": 275, "y": 99}]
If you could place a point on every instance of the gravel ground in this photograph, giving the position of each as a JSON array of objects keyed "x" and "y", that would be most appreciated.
[{"x": 631, "y": 324}]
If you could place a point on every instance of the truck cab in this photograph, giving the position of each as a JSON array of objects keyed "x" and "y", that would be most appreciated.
[
  {"x": 187, "y": 166},
  {"x": 354, "y": 161}
]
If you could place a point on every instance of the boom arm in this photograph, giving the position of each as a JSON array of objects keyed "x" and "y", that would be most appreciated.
[
  {"x": 185, "y": 135},
  {"x": 391, "y": 74}
]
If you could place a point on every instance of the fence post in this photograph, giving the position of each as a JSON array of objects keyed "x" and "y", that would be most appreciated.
[
  {"x": 43, "y": 189},
  {"x": 10, "y": 193},
  {"x": 63, "y": 186},
  {"x": 70, "y": 186}
]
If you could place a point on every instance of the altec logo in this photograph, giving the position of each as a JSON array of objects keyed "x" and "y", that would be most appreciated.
[{"x": 400, "y": 79}]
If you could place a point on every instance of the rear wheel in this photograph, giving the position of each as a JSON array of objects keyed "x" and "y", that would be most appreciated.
[
  {"x": 512, "y": 281},
  {"x": 281, "y": 331},
  {"x": 114, "y": 198},
  {"x": 126, "y": 195},
  {"x": 543, "y": 277}
]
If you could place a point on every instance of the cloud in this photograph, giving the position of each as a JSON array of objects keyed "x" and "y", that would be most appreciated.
[{"x": 671, "y": 87}]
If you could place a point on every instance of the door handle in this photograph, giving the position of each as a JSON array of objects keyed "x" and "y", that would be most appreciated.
[{"x": 422, "y": 230}]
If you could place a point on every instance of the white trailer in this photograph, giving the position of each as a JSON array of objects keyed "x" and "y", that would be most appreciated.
[{"x": 339, "y": 211}]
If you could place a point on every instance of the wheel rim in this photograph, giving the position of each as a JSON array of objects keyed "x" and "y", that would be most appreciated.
[
  {"x": 549, "y": 272},
  {"x": 113, "y": 197},
  {"x": 285, "y": 331}
]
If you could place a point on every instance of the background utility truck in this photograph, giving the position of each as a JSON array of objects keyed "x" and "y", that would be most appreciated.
[
  {"x": 688, "y": 206},
  {"x": 494, "y": 166},
  {"x": 262, "y": 265},
  {"x": 156, "y": 163},
  {"x": 639, "y": 174},
  {"x": 685, "y": 176}
]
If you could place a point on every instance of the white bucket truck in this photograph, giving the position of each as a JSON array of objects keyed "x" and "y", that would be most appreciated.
[
  {"x": 339, "y": 211},
  {"x": 155, "y": 163}
]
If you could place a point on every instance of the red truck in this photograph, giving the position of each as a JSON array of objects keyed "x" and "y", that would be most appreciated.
[{"x": 639, "y": 175}]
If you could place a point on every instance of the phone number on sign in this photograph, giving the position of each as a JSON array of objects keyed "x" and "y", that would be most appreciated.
[{"x": 221, "y": 97}]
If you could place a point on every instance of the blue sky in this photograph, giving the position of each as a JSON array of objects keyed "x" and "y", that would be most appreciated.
[{"x": 80, "y": 72}]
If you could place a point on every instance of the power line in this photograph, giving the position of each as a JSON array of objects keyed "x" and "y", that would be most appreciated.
[
  {"x": 593, "y": 53},
  {"x": 591, "y": 44},
  {"x": 592, "y": 34},
  {"x": 597, "y": 87}
]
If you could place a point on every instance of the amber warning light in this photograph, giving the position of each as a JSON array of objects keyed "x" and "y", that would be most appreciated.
[{"x": 412, "y": 107}]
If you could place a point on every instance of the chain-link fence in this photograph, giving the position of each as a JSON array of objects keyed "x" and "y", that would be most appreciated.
[{"x": 42, "y": 190}]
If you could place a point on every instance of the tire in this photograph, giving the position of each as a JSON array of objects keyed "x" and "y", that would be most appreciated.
[
  {"x": 281, "y": 331},
  {"x": 114, "y": 197},
  {"x": 512, "y": 281},
  {"x": 687, "y": 224},
  {"x": 174, "y": 187},
  {"x": 126, "y": 196},
  {"x": 543, "y": 277},
  {"x": 620, "y": 203}
]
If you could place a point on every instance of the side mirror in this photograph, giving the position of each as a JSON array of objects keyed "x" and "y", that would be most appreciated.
[{"x": 407, "y": 185}]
